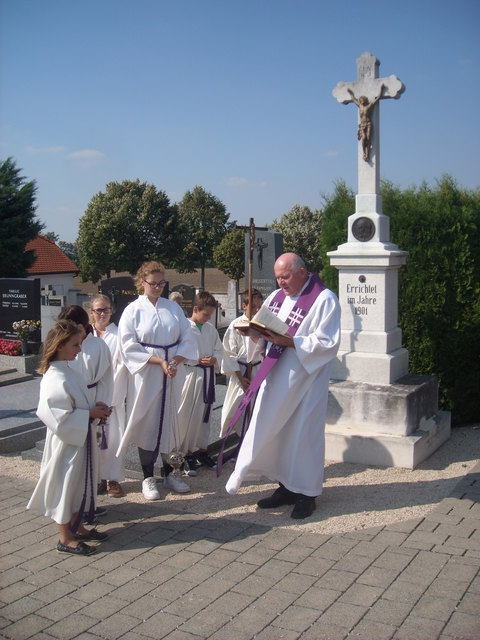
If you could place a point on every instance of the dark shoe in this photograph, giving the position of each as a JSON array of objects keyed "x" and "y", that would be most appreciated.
[
  {"x": 204, "y": 459},
  {"x": 114, "y": 489},
  {"x": 102, "y": 488},
  {"x": 278, "y": 498},
  {"x": 190, "y": 466},
  {"x": 81, "y": 549},
  {"x": 304, "y": 507},
  {"x": 99, "y": 512},
  {"x": 93, "y": 534}
]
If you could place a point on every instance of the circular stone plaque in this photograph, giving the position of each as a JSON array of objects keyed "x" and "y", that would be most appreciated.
[{"x": 363, "y": 229}]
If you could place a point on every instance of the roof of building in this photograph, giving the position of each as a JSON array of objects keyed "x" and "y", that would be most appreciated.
[{"x": 49, "y": 258}]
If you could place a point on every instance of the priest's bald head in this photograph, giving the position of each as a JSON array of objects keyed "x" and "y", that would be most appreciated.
[{"x": 291, "y": 273}]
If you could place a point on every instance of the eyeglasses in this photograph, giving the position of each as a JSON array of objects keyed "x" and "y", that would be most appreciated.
[
  {"x": 156, "y": 285},
  {"x": 100, "y": 311}
]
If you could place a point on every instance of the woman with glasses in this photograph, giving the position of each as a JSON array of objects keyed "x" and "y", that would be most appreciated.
[
  {"x": 155, "y": 339},
  {"x": 112, "y": 470}
]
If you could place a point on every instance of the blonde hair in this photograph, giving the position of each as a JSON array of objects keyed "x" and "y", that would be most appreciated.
[
  {"x": 100, "y": 296},
  {"x": 59, "y": 334},
  {"x": 145, "y": 270}
]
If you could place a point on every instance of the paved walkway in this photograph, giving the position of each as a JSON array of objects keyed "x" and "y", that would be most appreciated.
[{"x": 182, "y": 576}]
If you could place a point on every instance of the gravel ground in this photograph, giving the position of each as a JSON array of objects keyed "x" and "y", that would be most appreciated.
[{"x": 355, "y": 496}]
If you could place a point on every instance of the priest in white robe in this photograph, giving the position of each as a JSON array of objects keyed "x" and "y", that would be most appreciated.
[{"x": 286, "y": 438}]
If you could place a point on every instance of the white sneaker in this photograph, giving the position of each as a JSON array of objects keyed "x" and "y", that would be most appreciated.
[
  {"x": 149, "y": 489},
  {"x": 174, "y": 483}
]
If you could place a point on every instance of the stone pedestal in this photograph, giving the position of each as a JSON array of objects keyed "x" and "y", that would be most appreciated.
[{"x": 388, "y": 425}]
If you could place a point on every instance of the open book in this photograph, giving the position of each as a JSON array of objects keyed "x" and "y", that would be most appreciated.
[{"x": 262, "y": 320}]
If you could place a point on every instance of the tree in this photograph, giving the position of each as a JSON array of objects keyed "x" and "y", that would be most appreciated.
[
  {"x": 70, "y": 250},
  {"x": 229, "y": 255},
  {"x": 301, "y": 229},
  {"x": 17, "y": 221},
  {"x": 204, "y": 223},
  {"x": 130, "y": 223}
]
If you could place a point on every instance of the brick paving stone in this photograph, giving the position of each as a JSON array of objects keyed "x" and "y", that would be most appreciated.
[
  {"x": 317, "y": 598},
  {"x": 158, "y": 626},
  {"x": 361, "y": 594},
  {"x": 205, "y": 547},
  {"x": 16, "y": 591},
  {"x": 463, "y": 626},
  {"x": 276, "y": 569},
  {"x": 275, "y": 600},
  {"x": 391, "y": 612},
  {"x": 176, "y": 634},
  {"x": 458, "y": 571},
  {"x": 236, "y": 571},
  {"x": 353, "y": 562},
  {"x": 315, "y": 566},
  {"x": 296, "y": 618},
  {"x": 334, "y": 549},
  {"x": 159, "y": 574},
  {"x": 10, "y": 576},
  {"x": 404, "y": 591},
  {"x": 279, "y": 539},
  {"x": 183, "y": 560},
  {"x": 368, "y": 629},
  {"x": 296, "y": 583},
  {"x": 27, "y": 627},
  {"x": 230, "y": 603},
  {"x": 251, "y": 620},
  {"x": 71, "y": 626},
  {"x": 81, "y": 577},
  {"x": 468, "y": 604},
  {"x": 60, "y": 609},
  {"x": 391, "y": 560},
  {"x": 254, "y": 585},
  {"x": 104, "y": 607},
  {"x": 390, "y": 538},
  {"x": 406, "y": 526},
  {"x": 349, "y": 614},
  {"x": 325, "y": 631},
  {"x": 418, "y": 628},
  {"x": 443, "y": 588},
  {"x": 293, "y": 553},
  {"x": 145, "y": 607},
  {"x": 204, "y": 624},
  {"x": 90, "y": 592},
  {"x": 312, "y": 540},
  {"x": 336, "y": 580},
  {"x": 378, "y": 577},
  {"x": 132, "y": 590},
  {"x": 19, "y": 608},
  {"x": 220, "y": 558},
  {"x": 436, "y": 608},
  {"x": 172, "y": 589},
  {"x": 114, "y": 626},
  {"x": 275, "y": 633},
  {"x": 257, "y": 555}
]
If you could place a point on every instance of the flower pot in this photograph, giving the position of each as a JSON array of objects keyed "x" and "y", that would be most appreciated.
[{"x": 24, "y": 347}]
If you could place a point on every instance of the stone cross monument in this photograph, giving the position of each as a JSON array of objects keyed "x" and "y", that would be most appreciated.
[
  {"x": 377, "y": 413},
  {"x": 368, "y": 263}
]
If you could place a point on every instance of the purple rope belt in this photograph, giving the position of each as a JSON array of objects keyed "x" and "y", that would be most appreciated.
[
  {"x": 208, "y": 389},
  {"x": 88, "y": 476},
  {"x": 164, "y": 391}
]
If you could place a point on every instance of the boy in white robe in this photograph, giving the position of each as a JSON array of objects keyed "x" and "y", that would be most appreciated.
[
  {"x": 70, "y": 451},
  {"x": 234, "y": 363},
  {"x": 198, "y": 393}
]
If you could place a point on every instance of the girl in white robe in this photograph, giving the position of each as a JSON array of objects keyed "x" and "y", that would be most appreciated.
[
  {"x": 194, "y": 414},
  {"x": 112, "y": 468},
  {"x": 66, "y": 410},
  {"x": 155, "y": 339}
]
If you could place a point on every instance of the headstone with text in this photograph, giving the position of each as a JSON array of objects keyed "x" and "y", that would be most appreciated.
[
  {"x": 188, "y": 294},
  {"x": 19, "y": 300},
  {"x": 267, "y": 247},
  {"x": 121, "y": 290}
]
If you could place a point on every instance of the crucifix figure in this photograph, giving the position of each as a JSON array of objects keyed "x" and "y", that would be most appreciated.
[{"x": 366, "y": 93}]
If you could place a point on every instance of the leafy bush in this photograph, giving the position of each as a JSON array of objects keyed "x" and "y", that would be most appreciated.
[{"x": 439, "y": 287}]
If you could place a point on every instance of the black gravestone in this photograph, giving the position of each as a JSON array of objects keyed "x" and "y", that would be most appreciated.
[
  {"x": 267, "y": 247},
  {"x": 121, "y": 291},
  {"x": 188, "y": 293},
  {"x": 19, "y": 300}
]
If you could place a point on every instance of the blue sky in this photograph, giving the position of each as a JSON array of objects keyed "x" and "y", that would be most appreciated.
[{"x": 232, "y": 95}]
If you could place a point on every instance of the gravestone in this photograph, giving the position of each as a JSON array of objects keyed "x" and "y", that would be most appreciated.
[
  {"x": 20, "y": 300},
  {"x": 267, "y": 247},
  {"x": 121, "y": 290},
  {"x": 188, "y": 293},
  {"x": 377, "y": 413}
]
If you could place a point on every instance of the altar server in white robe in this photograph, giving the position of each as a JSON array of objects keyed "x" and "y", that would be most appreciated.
[
  {"x": 235, "y": 365},
  {"x": 65, "y": 407},
  {"x": 155, "y": 339},
  {"x": 286, "y": 437},
  {"x": 111, "y": 467},
  {"x": 198, "y": 394}
]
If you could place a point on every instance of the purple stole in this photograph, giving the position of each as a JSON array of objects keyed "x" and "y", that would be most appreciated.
[{"x": 304, "y": 303}]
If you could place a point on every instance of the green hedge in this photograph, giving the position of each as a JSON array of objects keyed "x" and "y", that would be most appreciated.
[{"x": 439, "y": 287}]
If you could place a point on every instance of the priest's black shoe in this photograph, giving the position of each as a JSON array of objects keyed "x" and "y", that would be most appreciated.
[
  {"x": 304, "y": 507},
  {"x": 278, "y": 498}
]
